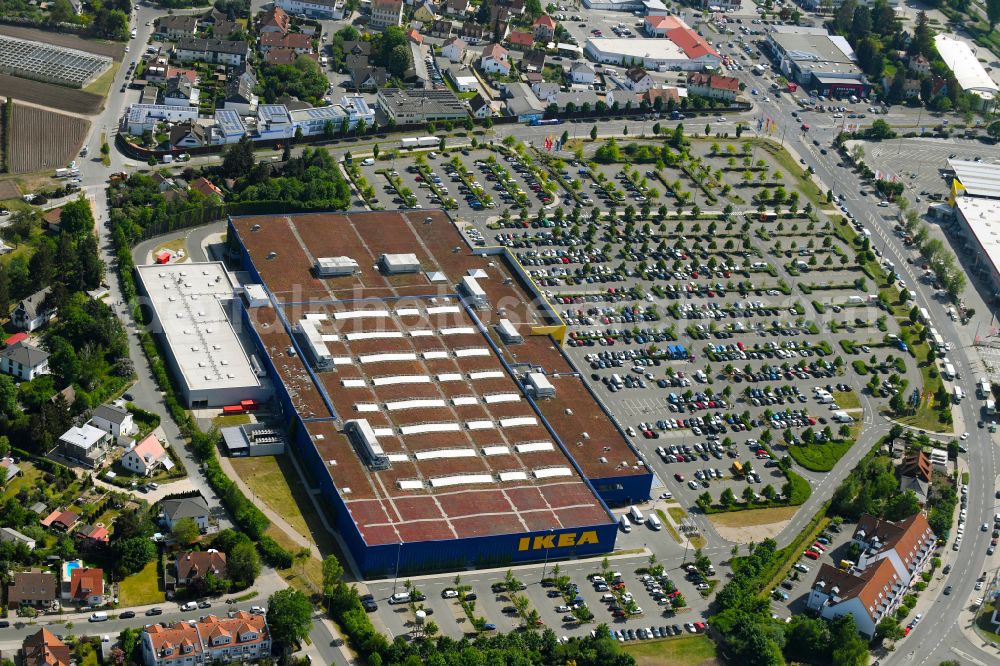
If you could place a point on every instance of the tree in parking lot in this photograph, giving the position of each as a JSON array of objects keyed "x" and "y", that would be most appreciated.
[
  {"x": 749, "y": 495},
  {"x": 728, "y": 498},
  {"x": 769, "y": 493},
  {"x": 704, "y": 501}
]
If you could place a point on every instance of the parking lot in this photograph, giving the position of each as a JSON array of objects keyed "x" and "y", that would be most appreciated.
[
  {"x": 581, "y": 595},
  {"x": 713, "y": 303}
]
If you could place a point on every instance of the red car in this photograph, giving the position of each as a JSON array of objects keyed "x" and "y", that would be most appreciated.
[
  {"x": 811, "y": 555},
  {"x": 679, "y": 477},
  {"x": 618, "y": 613}
]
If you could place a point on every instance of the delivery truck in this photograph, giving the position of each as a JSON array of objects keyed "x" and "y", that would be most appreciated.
[{"x": 420, "y": 142}]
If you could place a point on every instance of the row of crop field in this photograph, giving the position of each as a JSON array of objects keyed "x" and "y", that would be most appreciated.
[{"x": 41, "y": 139}]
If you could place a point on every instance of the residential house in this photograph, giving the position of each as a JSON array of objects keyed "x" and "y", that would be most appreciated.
[
  {"x": 581, "y": 72},
  {"x": 457, "y": 8},
  {"x": 659, "y": 98},
  {"x": 212, "y": 17},
  {"x": 180, "y": 92},
  {"x": 240, "y": 96},
  {"x": 173, "y": 509},
  {"x": 867, "y": 595},
  {"x": 214, "y": 51},
  {"x": 197, "y": 565},
  {"x": 280, "y": 56},
  {"x": 115, "y": 420},
  {"x": 424, "y": 13},
  {"x": 521, "y": 39},
  {"x": 188, "y": 134},
  {"x": 43, "y": 648},
  {"x": 9, "y": 469},
  {"x": 146, "y": 457},
  {"x": 358, "y": 48},
  {"x": 242, "y": 637},
  {"x": 495, "y": 60},
  {"x": 499, "y": 26},
  {"x": 367, "y": 77},
  {"x": 638, "y": 80},
  {"x": 84, "y": 587},
  {"x": 545, "y": 28},
  {"x": 207, "y": 188},
  {"x": 906, "y": 544},
  {"x": 177, "y": 27},
  {"x": 453, "y": 49},
  {"x": 481, "y": 107},
  {"x": 915, "y": 473},
  {"x": 441, "y": 29},
  {"x": 295, "y": 41},
  {"x": 24, "y": 361},
  {"x": 85, "y": 444},
  {"x": 32, "y": 588},
  {"x": 514, "y": 7},
  {"x": 227, "y": 30},
  {"x": 32, "y": 313},
  {"x": 713, "y": 86},
  {"x": 919, "y": 64},
  {"x": 321, "y": 9},
  {"x": 275, "y": 20},
  {"x": 10, "y": 535},
  {"x": 61, "y": 520},
  {"x": 91, "y": 535},
  {"x": 545, "y": 90},
  {"x": 414, "y": 36},
  {"x": 386, "y": 13},
  {"x": 473, "y": 34}
]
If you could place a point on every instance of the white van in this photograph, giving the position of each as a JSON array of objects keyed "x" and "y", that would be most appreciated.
[
  {"x": 624, "y": 523},
  {"x": 99, "y": 616},
  {"x": 636, "y": 515},
  {"x": 368, "y": 162},
  {"x": 653, "y": 522},
  {"x": 400, "y": 598}
]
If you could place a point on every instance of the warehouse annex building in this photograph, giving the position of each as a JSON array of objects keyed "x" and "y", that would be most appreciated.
[{"x": 426, "y": 393}]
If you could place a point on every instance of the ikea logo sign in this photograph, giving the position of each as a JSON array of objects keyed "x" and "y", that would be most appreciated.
[{"x": 564, "y": 540}]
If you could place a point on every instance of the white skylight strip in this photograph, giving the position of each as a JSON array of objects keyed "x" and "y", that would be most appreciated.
[
  {"x": 461, "y": 480},
  {"x": 352, "y": 383},
  {"x": 513, "y": 476},
  {"x": 415, "y": 404},
  {"x": 518, "y": 421},
  {"x": 457, "y": 330},
  {"x": 445, "y": 453},
  {"x": 533, "y": 447},
  {"x": 450, "y": 377},
  {"x": 486, "y": 374},
  {"x": 474, "y": 351},
  {"x": 552, "y": 472},
  {"x": 443, "y": 309},
  {"x": 431, "y": 355},
  {"x": 424, "y": 428},
  {"x": 497, "y": 450},
  {"x": 502, "y": 397},
  {"x": 401, "y": 379},
  {"x": 480, "y": 425},
  {"x": 381, "y": 358},
  {"x": 375, "y": 335},
  {"x": 358, "y": 314},
  {"x": 464, "y": 400}
]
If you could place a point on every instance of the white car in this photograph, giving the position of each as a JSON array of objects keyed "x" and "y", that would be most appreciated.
[
  {"x": 189, "y": 606},
  {"x": 964, "y": 436},
  {"x": 449, "y": 593}
]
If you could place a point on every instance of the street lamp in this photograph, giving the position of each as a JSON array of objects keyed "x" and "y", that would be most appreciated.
[
  {"x": 546, "y": 562},
  {"x": 395, "y": 576}
]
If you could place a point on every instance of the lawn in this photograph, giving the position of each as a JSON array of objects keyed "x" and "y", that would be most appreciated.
[
  {"x": 669, "y": 526},
  {"x": 142, "y": 588},
  {"x": 683, "y": 651},
  {"x": 926, "y": 416},
  {"x": 306, "y": 573},
  {"x": 231, "y": 420},
  {"x": 847, "y": 399},
  {"x": 754, "y": 516},
  {"x": 679, "y": 514},
  {"x": 28, "y": 479},
  {"x": 820, "y": 457},
  {"x": 270, "y": 482}
]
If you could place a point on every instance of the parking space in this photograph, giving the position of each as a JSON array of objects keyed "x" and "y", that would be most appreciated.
[{"x": 833, "y": 546}]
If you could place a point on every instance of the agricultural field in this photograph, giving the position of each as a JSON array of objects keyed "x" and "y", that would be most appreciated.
[
  {"x": 48, "y": 94},
  {"x": 43, "y": 139},
  {"x": 115, "y": 50}
]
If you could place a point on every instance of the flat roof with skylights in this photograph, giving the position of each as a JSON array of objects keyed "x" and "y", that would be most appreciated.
[
  {"x": 187, "y": 300},
  {"x": 457, "y": 460}
]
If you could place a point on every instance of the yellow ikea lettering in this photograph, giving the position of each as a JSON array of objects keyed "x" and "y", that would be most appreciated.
[{"x": 565, "y": 540}]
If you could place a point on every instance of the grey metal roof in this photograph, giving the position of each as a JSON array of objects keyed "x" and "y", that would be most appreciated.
[
  {"x": 184, "y": 507},
  {"x": 25, "y": 354}
]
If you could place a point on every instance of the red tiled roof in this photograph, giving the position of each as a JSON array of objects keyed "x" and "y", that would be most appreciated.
[
  {"x": 278, "y": 18},
  {"x": 200, "y": 564},
  {"x": 917, "y": 465},
  {"x": 715, "y": 81},
  {"x": 663, "y": 22},
  {"x": 689, "y": 41},
  {"x": 281, "y": 56},
  {"x": 904, "y": 536},
  {"x": 206, "y": 187},
  {"x": 84, "y": 583},
  {"x": 495, "y": 51},
  {"x": 545, "y": 20},
  {"x": 43, "y": 648},
  {"x": 519, "y": 38}
]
